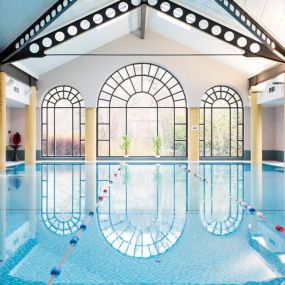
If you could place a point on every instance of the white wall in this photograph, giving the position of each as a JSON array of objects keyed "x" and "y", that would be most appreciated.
[
  {"x": 268, "y": 128},
  {"x": 273, "y": 128},
  {"x": 279, "y": 128},
  {"x": 8, "y": 126},
  {"x": 196, "y": 74},
  {"x": 18, "y": 122}
]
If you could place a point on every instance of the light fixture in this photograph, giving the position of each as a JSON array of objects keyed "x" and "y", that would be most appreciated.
[
  {"x": 174, "y": 21},
  {"x": 111, "y": 22}
]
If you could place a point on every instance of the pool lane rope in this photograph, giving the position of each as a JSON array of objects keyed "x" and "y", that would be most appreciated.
[
  {"x": 56, "y": 270},
  {"x": 252, "y": 211}
]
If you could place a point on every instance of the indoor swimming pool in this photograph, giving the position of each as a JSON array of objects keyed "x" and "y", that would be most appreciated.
[{"x": 158, "y": 223}]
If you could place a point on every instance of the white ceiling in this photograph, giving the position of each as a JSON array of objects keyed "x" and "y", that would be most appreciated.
[{"x": 269, "y": 13}]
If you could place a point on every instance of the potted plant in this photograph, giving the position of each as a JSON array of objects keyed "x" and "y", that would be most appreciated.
[
  {"x": 16, "y": 140},
  {"x": 157, "y": 146},
  {"x": 125, "y": 146}
]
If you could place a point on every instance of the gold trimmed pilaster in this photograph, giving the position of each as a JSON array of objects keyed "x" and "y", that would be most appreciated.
[
  {"x": 30, "y": 128},
  {"x": 90, "y": 134},
  {"x": 256, "y": 128},
  {"x": 3, "y": 119},
  {"x": 193, "y": 134}
]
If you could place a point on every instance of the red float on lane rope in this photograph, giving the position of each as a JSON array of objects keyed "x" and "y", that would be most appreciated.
[
  {"x": 100, "y": 198},
  {"x": 279, "y": 229},
  {"x": 105, "y": 191}
]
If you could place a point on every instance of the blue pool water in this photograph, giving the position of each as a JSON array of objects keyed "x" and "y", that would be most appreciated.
[{"x": 158, "y": 224}]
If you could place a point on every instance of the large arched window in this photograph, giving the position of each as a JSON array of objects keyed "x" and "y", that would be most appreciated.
[
  {"x": 221, "y": 123},
  {"x": 142, "y": 101},
  {"x": 63, "y": 123}
]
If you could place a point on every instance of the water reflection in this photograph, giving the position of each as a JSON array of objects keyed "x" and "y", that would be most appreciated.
[
  {"x": 145, "y": 212},
  {"x": 220, "y": 214},
  {"x": 63, "y": 197}
]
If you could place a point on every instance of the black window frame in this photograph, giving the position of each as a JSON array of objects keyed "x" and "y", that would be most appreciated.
[
  {"x": 49, "y": 102},
  {"x": 234, "y": 100},
  {"x": 182, "y": 101}
]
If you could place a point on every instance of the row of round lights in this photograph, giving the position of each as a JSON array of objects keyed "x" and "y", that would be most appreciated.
[
  {"x": 42, "y": 23},
  {"x": 85, "y": 24},
  {"x": 203, "y": 24},
  {"x": 238, "y": 14}
]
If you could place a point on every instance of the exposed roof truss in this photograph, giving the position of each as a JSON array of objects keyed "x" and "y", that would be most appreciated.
[
  {"x": 22, "y": 41},
  {"x": 250, "y": 46},
  {"x": 253, "y": 26}
]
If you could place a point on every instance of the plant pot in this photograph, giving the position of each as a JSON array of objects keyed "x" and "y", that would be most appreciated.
[
  {"x": 15, "y": 152},
  {"x": 126, "y": 156},
  {"x": 157, "y": 156}
]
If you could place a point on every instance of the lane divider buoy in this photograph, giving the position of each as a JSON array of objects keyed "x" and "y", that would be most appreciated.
[
  {"x": 56, "y": 270},
  {"x": 189, "y": 171},
  {"x": 259, "y": 214}
]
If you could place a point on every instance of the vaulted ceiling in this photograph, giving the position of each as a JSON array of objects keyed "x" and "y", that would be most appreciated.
[{"x": 17, "y": 15}]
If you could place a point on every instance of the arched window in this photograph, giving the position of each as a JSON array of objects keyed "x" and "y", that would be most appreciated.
[
  {"x": 143, "y": 221},
  {"x": 220, "y": 213},
  {"x": 63, "y": 123},
  {"x": 221, "y": 123},
  {"x": 62, "y": 199},
  {"x": 142, "y": 101}
]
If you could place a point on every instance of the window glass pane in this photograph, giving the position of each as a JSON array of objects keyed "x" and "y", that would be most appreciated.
[
  {"x": 103, "y": 132},
  {"x": 221, "y": 129},
  {"x": 180, "y": 148},
  {"x": 103, "y": 148},
  {"x": 166, "y": 131},
  {"x": 180, "y": 116},
  {"x": 76, "y": 132},
  {"x": 142, "y": 128},
  {"x": 51, "y": 132},
  {"x": 180, "y": 132},
  {"x": 63, "y": 132},
  {"x": 117, "y": 130}
]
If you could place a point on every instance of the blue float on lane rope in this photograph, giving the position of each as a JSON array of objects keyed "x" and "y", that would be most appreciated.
[
  {"x": 74, "y": 240},
  {"x": 55, "y": 271}
]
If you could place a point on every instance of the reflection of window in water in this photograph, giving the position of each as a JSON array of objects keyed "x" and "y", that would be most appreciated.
[
  {"x": 62, "y": 197},
  {"x": 146, "y": 210},
  {"x": 220, "y": 214}
]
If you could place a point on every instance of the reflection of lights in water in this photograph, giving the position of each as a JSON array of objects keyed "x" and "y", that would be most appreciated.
[
  {"x": 282, "y": 258},
  {"x": 261, "y": 241}
]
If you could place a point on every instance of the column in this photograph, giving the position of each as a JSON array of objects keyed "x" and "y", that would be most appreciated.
[
  {"x": 3, "y": 218},
  {"x": 256, "y": 129},
  {"x": 193, "y": 134},
  {"x": 30, "y": 128},
  {"x": 90, "y": 134},
  {"x": 3, "y": 123}
]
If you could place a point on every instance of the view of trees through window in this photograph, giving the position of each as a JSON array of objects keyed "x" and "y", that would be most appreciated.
[
  {"x": 63, "y": 123},
  {"x": 142, "y": 101},
  {"x": 221, "y": 123}
]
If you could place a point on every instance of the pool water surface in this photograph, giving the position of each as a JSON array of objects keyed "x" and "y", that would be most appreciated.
[{"x": 158, "y": 223}]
